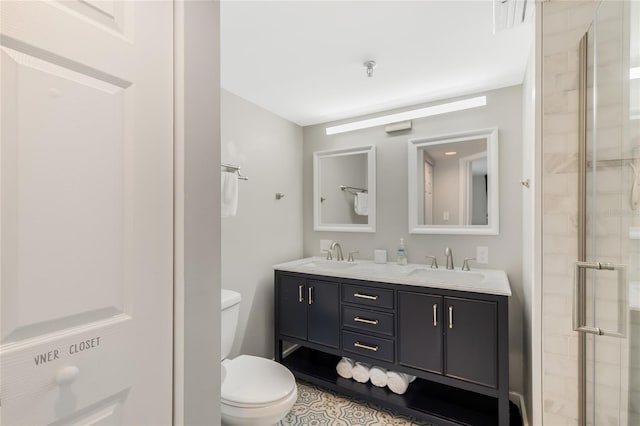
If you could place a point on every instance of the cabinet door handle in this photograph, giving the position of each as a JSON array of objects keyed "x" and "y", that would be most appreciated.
[
  {"x": 367, "y": 347},
  {"x": 365, "y": 296},
  {"x": 366, "y": 321},
  {"x": 451, "y": 316},
  {"x": 300, "y": 298},
  {"x": 311, "y": 295},
  {"x": 435, "y": 314}
]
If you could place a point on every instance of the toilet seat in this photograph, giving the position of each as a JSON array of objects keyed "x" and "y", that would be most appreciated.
[{"x": 254, "y": 382}]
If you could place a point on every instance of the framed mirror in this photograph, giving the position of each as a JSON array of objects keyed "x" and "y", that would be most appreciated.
[
  {"x": 453, "y": 184},
  {"x": 344, "y": 190}
]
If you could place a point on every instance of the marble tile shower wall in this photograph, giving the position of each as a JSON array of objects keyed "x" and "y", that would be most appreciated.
[{"x": 563, "y": 24}]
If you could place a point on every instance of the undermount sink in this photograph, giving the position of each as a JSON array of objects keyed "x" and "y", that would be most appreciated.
[
  {"x": 445, "y": 276},
  {"x": 329, "y": 264}
]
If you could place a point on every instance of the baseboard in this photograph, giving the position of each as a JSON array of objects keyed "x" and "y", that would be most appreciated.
[{"x": 518, "y": 400}]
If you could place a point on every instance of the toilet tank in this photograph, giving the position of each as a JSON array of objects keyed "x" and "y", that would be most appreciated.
[{"x": 230, "y": 302}]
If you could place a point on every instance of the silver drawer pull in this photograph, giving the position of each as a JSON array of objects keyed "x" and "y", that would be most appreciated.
[
  {"x": 365, "y": 296},
  {"x": 435, "y": 314},
  {"x": 310, "y": 296},
  {"x": 366, "y": 321},
  {"x": 451, "y": 316},
  {"x": 300, "y": 299},
  {"x": 367, "y": 347}
]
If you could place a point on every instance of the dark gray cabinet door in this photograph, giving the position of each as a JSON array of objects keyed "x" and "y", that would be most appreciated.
[
  {"x": 324, "y": 313},
  {"x": 292, "y": 307},
  {"x": 420, "y": 331},
  {"x": 471, "y": 346}
]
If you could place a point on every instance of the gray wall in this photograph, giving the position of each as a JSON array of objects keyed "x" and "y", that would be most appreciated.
[
  {"x": 503, "y": 110},
  {"x": 265, "y": 231}
]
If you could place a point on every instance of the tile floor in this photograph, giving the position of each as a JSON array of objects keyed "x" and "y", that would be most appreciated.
[{"x": 320, "y": 407}]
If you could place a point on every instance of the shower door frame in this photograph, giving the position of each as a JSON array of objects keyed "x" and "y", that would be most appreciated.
[{"x": 582, "y": 223}]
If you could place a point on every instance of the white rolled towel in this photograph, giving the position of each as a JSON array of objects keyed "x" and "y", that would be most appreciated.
[
  {"x": 399, "y": 382},
  {"x": 378, "y": 376},
  {"x": 361, "y": 372},
  {"x": 345, "y": 367}
]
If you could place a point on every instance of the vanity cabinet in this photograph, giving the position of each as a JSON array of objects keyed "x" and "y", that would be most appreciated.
[
  {"x": 471, "y": 333},
  {"x": 309, "y": 310},
  {"x": 420, "y": 340},
  {"x": 453, "y": 336},
  {"x": 454, "y": 342}
]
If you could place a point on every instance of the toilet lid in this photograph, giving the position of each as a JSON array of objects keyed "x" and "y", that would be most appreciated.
[{"x": 253, "y": 381}]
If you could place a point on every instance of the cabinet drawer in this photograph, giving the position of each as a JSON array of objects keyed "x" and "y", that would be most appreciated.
[
  {"x": 368, "y": 296},
  {"x": 372, "y": 347},
  {"x": 361, "y": 319}
]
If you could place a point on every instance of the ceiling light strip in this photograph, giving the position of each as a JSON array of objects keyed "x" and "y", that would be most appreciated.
[{"x": 409, "y": 115}]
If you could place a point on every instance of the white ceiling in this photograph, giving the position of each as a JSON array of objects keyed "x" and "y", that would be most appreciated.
[{"x": 302, "y": 60}]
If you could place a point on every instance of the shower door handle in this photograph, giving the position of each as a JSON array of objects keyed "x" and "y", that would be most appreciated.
[{"x": 580, "y": 298}]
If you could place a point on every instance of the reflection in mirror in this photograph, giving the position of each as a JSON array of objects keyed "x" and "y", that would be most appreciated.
[
  {"x": 344, "y": 190},
  {"x": 448, "y": 166},
  {"x": 453, "y": 184}
]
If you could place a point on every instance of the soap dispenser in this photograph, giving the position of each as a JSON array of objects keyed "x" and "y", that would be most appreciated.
[{"x": 402, "y": 253}]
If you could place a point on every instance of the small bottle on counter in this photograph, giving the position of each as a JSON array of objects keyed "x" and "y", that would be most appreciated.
[{"x": 402, "y": 253}]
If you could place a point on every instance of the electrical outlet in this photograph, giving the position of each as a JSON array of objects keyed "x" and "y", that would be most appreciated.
[
  {"x": 482, "y": 254},
  {"x": 445, "y": 216},
  {"x": 324, "y": 245}
]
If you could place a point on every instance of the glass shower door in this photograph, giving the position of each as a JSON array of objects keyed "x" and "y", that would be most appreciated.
[{"x": 606, "y": 309}]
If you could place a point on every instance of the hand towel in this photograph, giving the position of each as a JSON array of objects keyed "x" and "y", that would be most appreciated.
[
  {"x": 361, "y": 203},
  {"x": 399, "y": 382},
  {"x": 229, "y": 193},
  {"x": 345, "y": 367},
  {"x": 378, "y": 376},
  {"x": 361, "y": 372}
]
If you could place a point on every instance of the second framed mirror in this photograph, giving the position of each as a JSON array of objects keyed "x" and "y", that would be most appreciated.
[{"x": 453, "y": 183}]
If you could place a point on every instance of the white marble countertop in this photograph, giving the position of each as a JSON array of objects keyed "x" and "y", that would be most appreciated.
[{"x": 488, "y": 281}]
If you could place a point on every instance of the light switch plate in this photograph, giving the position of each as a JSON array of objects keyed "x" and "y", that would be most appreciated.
[
  {"x": 445, "y": 216},
  {"x": 482, "y": 254}
]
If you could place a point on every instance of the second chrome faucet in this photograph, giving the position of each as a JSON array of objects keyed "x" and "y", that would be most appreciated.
[{"x": 449, "y": 255}]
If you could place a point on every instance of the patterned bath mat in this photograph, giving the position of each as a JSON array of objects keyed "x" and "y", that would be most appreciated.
[{"x": 320, "y": 407}]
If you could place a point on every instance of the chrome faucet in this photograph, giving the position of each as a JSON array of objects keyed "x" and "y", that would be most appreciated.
[
  {"x": 338, "y": 248},
  {"x": 449, "y": 255}
]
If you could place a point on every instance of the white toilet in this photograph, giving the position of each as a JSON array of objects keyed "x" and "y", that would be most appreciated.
[{"x": 255, "y": 391}]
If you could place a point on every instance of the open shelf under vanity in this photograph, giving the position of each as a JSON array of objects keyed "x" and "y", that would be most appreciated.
[{"x": 441, "y": 404}]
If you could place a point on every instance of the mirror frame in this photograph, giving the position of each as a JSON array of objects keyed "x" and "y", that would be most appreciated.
[
  {"x": 493, "y": 205},
  {"x": 370, "y": 151}
]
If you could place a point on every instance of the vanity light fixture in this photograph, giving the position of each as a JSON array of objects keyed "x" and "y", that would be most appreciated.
[
  {"x": 634, "y": 73},
  {"x": 478, "y": 101}
]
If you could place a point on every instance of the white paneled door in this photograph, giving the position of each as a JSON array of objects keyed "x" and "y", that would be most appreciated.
[{"x": 86, "y": 172}]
